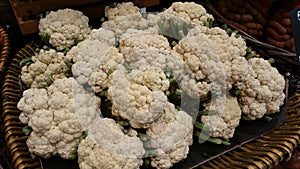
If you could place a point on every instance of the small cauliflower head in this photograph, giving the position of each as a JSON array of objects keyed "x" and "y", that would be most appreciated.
[
  {"x": 121, "y": 9},
  {"x": 231, "y": 51},
  {"x": 145, "y": 49},
  {"x": 207, "y": 72},
  {"x": 47, "y": 65},
  {"x": 262, "y": 92},
  {"x": 191, "y": 11},
  {"x": 106, "y": 146},
  {"x": 93, "y": 62},
  {"x": 227, "y": 118},
  {"x": 65, "y": 27},
  {"x": 138, "y": 96},
  {"x": 53, "y": 114},
  {"x": 103, "y": 35},
  {"x": 170, "y": 136}
]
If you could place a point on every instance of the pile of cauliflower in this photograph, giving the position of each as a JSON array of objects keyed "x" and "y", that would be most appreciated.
[{"x": 139, "y": 84}]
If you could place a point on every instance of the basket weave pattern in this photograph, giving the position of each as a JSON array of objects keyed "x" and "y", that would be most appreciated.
[{"x": 261, "y": 153}]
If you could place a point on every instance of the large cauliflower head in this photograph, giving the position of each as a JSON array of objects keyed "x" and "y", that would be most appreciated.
[
  {"x": 93, "y": 62},
  {"x": 138, "y": 96},
  {"x": 64, "y": 27},
  {"x": 53, "y": 114},
  {"x": 262, "y": 92},
  {"x": 106, "y": 146}
]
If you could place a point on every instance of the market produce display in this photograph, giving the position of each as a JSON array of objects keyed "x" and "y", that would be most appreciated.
[
  {"x": 136, "y": 92},
  {"x": 279, "y": 29},
  {"x": 249, "y": 16}
]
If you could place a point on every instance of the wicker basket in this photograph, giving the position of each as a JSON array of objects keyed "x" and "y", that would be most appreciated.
[
  {"x": 5, "y": 159},
  {"x": 261, "y": 153}
]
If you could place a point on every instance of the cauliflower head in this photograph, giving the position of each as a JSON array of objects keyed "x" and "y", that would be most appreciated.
[
  {"x": 227, "y": 118},
  {"x": 262, "y": 92},
  {"x": 46, "y": 66},
  {"x": 205, "y": 67},
  {"x": 170, "y": 136},
  {"x": 121, "y": 9},
  {"x": 64, "y": 27},
  {"x": 53, "y": 114},
  {"x": 106, "y": 146},
  {"x": 138, "y": 96},
  {"x": 93, "y": 62}
]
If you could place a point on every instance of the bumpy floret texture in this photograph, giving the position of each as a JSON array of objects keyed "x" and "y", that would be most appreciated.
[
  {"x": 106, "y": 146},
  {"x": 231, "y": 51},
  {"x": 171, "y": 146},
  {"x": 262, "y": 92},
  {"x": 138, "y": 97},
  {"x": 227, "y": 118},
  {"x": 94, "y": 61},
  {"x": 53, "y": 114},
  {"x": 121, "y": 9},
  {"x": 189, "y": 11},
  {"x": 206, "y": 69},
  {"x": 46, "y": 66},
  {"x": 146, "y": 49},
  {"x": 103, "y": 35},
  {"x": 64, "y": 27}
]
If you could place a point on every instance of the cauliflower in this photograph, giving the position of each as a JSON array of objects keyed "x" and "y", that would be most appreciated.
[
  {"x": 146, "y": 49},
  {"x": 262, "y": 92},
  {"x": 189, "y": 11},
  {"x": 106, "y": 146},
  {"x": 46, "y": 66},
  {"x": 227, "y": 118},
  {"x": 93, "y": 62},
  {"x": 231, "y": 50},
  {"x": 206, "y": 68},
  {"x": 103, "y": 35},
  {"x": 53, "y": 114},
  {"x": 121, "y": 9},
  {"x": 138, "y": 96},
  {"x": 171, "y": 146},
  {"x": 65, "y": 27}
]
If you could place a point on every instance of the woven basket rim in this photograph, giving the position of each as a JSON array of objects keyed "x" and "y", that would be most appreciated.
[
  {"x": 276, "y": 150},
  {"x": 5, "y": 51}
]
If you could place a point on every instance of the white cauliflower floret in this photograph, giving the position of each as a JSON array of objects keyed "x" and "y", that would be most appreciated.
[
  {"x": 136, "y": 96},
  {"x": 103, "y": 35},
  {"x": 171, "y": 135},
  {"x": 64, "y": 27},
  {"x": 146, "y": 49},
  {"x": 262, "y": 92},
  {"x": 106, "y": 146},
  {"x": 231, "y": 51},
  {"x": 94, "y": 61},
  {"x": 56, "y": 117},
  {"x": 207, "y": 70},
  {"x": 121, "y": 9},
  {"x": 227, "y": 118},
  {"x": 46, "y": 66},
  {"x": 196, "y": 13},
  {"x": 122, "y": 23}
]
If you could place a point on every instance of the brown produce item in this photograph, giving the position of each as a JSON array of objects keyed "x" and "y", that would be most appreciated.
[
  {"x": 274, "y": 42},
  {"x": 289, "y": 44},
  {"x": 270, "y": 31},
  {"x": 262, "y": 6},
  {"x": 239, "y": 17},
  {"x": 261, "y": 19},
  {"x": 289, "y": 30},
  {"x": 278, "y": 27},
  {"x": 254, "y": 32},
  {"x": 238, "y": 2},
  {"x": 253, "y": 25},
  {"x": 285, "y": 22},
  {"x": 242, "y": 27},
  {"x": 222, "y": 7}
]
